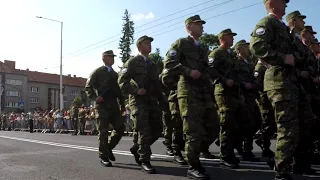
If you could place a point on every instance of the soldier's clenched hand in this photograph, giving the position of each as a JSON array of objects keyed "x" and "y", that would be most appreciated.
[
  {"x": 195, "y": 74},
  {"x": 141, "y": 92},
  {"x": 99, "y": 99},
  {"x": 289, "y": 59}
]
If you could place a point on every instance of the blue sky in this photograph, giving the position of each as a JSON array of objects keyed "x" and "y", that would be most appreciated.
[{"x": 35, "y": 43}]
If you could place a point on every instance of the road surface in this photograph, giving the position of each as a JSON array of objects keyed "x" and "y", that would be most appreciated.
[{"x": 25, "y": 156}]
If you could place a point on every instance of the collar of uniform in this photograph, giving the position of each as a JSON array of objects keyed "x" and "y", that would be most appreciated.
[
  {"x": 144, "y": 57},
  {"x": 195, "y": 42},
  {"x": 280, "y": 19},
  {"x": 108, "y": 67}
]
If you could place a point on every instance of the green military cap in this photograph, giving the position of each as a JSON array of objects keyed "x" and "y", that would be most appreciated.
[
  {"x": 264, "y": 1},
  {"x": 195, "y": 18},
  {"x": 294, "y": 14},
  {"x": 226, "y": 32},
  {"x": 142, "y": 38},
  {"x": 239, "y": 43},
  {"x": 309, "y": 29},
  {"x": 108, "y": 53}
]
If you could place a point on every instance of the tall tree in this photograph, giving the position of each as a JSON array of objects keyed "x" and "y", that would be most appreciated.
[
  {"x": 157, "y": 59},
  {"x": 127, "y": 39},
  {"x": 210, "y": 41}
]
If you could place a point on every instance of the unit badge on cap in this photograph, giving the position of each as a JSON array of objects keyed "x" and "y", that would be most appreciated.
[
  {"x": 256, "y": 74},
  {"x": 260, "y": 31},
  {"x": 173, "y": 52}
]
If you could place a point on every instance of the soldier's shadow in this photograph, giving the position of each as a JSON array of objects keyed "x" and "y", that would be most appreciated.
[{"x": 214, "y": 170}]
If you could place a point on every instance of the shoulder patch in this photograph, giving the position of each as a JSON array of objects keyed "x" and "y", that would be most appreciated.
[
  {"x": 173, "y": 52},
  {"x": 260, "y": 31},
  {"x": 124, "y": 70},
  {"x": 211, "y": 60},
  {"x": 256, "y": 74},
  {"x": 164, "y": 71}
]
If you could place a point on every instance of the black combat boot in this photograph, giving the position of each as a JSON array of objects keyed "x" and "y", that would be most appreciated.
[
  {"x": 230, "y": 162},
  {"x": 105, "y": 162},
  {"x": 197, "y": 172},
  {"x": 147, "y": 168},
  {"x": 283, "y": 177},
  {"x": 134, "y": 151},
  {"x": 111, "y": 155},
  {"x": 206, "y": 154},
  {"x": 178, "y": 158},
  {"x": 249, "y": 156}
]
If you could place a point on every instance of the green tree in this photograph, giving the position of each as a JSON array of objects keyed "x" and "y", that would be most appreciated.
[
  {"x": 77, "y": 100},
  {"x": 210, "y": 41},
  {"x": 127, "y": 39},
  {"x": 157, "y": 59}
]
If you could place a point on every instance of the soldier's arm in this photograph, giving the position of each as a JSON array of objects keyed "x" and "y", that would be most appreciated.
[
  {"x": 172, "y": 61},
  {"x": 125, "y": 77},
  {"x": 120, "y": 97},
  {"x": 260, "y": 44},
  {"x": 214, "y": 63},
  {"x": 89, "y": 88},
  {"x": 259, "y": 78}
]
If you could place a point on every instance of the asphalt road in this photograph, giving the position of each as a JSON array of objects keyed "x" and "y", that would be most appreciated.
[{"x": 25, "y": 156}]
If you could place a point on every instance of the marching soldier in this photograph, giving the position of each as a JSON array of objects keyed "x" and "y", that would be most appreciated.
[
  {"x": 187, "y": 62},
  {"x": 82, "y": 119},
  {"x": 228, "y": 97},
  {"x": 74, "y": 118},
  {"x": 139, "y": 78},
  {"x": 102, "y": 87},
  {"x": 271, "y": 42}
]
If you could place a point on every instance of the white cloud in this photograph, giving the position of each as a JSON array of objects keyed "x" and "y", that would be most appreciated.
[{"x": 140, "y": 16}]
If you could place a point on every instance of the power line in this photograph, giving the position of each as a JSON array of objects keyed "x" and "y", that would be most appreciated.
[
  {"x": 210, "y": 8},
  {"x": 142, "y": 25},
  {"x": 211, "y": 17}
]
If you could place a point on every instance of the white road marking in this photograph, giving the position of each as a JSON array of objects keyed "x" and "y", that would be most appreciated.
[{"x": 128, "y": 153}]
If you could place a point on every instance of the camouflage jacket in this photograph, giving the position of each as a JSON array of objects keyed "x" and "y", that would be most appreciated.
[
  {"x": 138, "y": 73},
  {"x": 104, "y": 83},
  {"x": 271, "y": 41},
  {"x": 183, "y": 57}
]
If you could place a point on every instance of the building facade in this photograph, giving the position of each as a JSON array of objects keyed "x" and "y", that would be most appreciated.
[{"x": 24, "y": 90}]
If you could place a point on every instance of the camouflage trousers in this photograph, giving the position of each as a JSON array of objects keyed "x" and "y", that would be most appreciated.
[
  {"x": 293, "y": 116},
  {"x": 168, "y": 125},
  {"x": 248, "y": 124},
  {"x": 177, "y": 142},
  {"x": 268, "y": 125},
  {"x": 148, "y": 125},
  {"x": 106, "y": 144},
  {"x": 232, "y": 111},
  {"x": 200, "y": 126}
]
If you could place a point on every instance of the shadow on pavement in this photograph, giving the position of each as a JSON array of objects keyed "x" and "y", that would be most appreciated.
[{"x": 215, "y": 171}]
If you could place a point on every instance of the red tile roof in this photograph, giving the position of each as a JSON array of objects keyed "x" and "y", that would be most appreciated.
[{"x": 42, "y": 77}]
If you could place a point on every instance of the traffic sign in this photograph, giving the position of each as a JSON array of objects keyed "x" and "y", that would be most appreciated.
[{"x": 21, "y": 103}]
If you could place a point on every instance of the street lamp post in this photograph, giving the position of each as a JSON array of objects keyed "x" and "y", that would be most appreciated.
[{"x": 61, "y": 93}]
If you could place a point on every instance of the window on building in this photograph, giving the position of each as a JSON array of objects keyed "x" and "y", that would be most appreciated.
[
  {"x": 74, "y": 93},
  {"x": 12, "y": 104},
  {"x": 13, "y": 93},
  {"x": 34, "y": 89},
  {"x": 34, "y": 100},
  {"x": 14, "y": 82}
]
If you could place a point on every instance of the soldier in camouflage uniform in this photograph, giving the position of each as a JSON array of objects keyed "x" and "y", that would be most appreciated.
[
  {"x": 248, "y": 86},
  {"x": 4, "y": 120},
  {"x": 271, "y": 42},
  {"x": 102, "y": 86},
  {"x": 74, "y": 113},
  {"x": 187, "y": 67},
  {"x": 82, "y": 119},
  {"x": 139, "y": 78},
  {"x": 307, "y": 71},
  {"x": 167, "y": 123},
  {"x": 268, "y": 126},
  {"x": 228, "y": 97}
]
